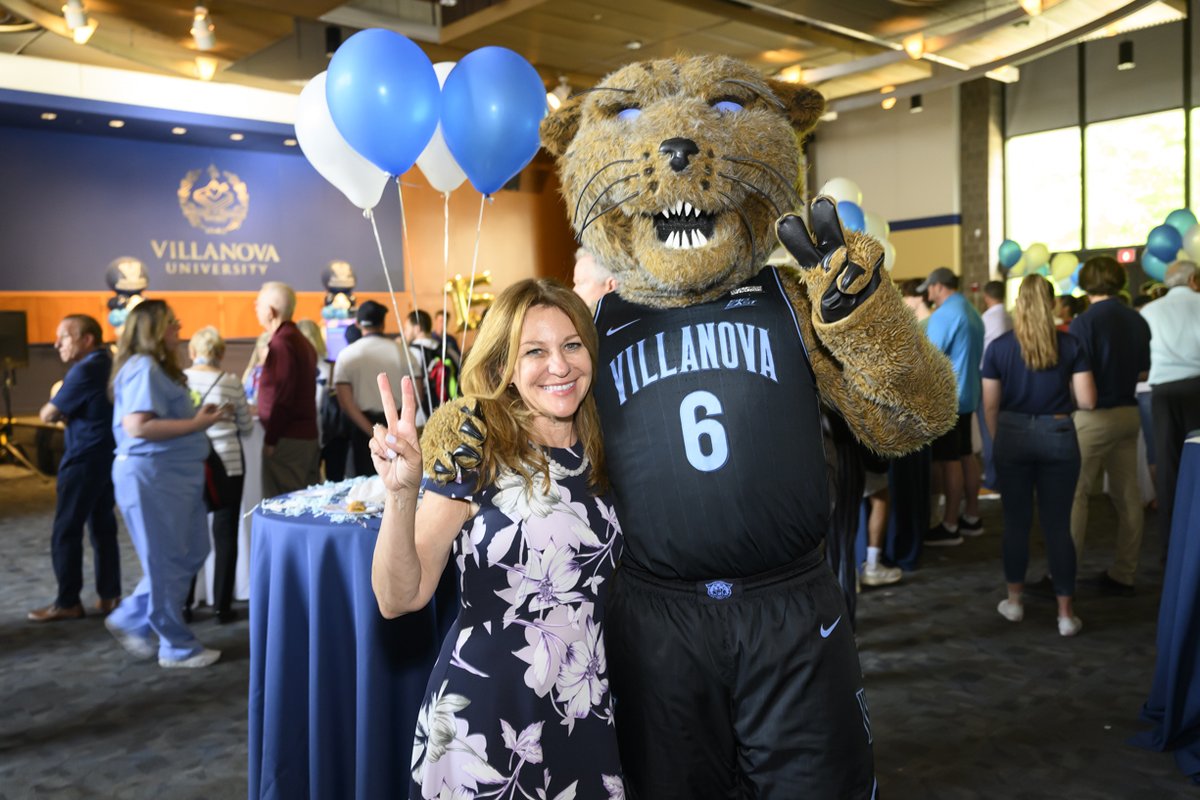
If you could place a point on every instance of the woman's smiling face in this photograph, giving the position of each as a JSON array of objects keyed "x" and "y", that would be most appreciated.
[{"x": 554, "y": 370}]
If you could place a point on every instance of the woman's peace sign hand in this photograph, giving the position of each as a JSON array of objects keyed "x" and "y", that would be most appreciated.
[{"x": 395, "y": 450}]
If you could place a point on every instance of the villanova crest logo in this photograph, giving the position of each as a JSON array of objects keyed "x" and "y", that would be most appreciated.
[
  {"x": 719, "y": 590},
  {"x": 218, "y": 205}
]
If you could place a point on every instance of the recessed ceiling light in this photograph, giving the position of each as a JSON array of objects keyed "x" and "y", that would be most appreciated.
[
  {"x": 633, "y": 44},
  {"x": 888, "y": 103},
  {"x": 116, "y": 123},
  {"x": 49, "y": 115},
  {"x": 289, "y": 142},
  {"x": 178, "y": 131},
  {"x": 236, "y": 137}
]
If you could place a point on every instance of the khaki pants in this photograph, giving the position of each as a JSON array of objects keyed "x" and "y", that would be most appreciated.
[
  {"x": 294, "y": 465},
  {"x": 1108, "y": 440}
]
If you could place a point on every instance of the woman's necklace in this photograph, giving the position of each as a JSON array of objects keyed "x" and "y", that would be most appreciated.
[{"x": 557, "y": 470}]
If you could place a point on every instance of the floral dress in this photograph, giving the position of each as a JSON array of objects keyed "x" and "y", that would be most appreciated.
[{"x": 518, "y": 704}]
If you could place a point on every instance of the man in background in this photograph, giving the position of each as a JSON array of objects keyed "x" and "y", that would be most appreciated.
[
  {"x": 592, "y": 280},
  {"x": 996, "y": 320},
  {"x": 440, "y": 333},
  {"x": 441, "y": 376},
  {"x": 85, "y": 487},
  {"x": 287, "y": 403}
]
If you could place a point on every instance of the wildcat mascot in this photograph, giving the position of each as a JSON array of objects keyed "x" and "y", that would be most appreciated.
[{"x": 733, "y": 666}]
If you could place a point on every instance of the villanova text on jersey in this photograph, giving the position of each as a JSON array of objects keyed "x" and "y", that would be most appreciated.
[{"x": 712, "y": 345}]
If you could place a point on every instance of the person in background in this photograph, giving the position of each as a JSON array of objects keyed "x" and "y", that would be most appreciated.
[
  {"x": 915, "y": 300},
  {"x": 1029, "y": 376},
  {"x": 286, "y": 405},
  {"x": 210, "y": 384},
  {"x": 875, "y": 491},
  {"x": 85, "y": 489},
  {"x": 996, "y": 320},
  {"x": 159, "y": 478},
  {"x": 441, "y": 333},
  {"x": 1117, "y": 342},
  {"x": 312, "y": 333},
  {"x": 1067, "y": 308},
  {"x": 592, "y": 279},
  {"x": 253, "y": 372}
]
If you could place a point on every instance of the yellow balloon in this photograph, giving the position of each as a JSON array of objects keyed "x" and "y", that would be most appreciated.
[
  {"x": 1018, "y": 269},
  {"x": 1036, "y": 255},
  {"x": 1062, "y": 265}
]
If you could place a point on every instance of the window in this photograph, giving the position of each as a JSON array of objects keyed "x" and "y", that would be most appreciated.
[{"x": 1041, "y": 189}]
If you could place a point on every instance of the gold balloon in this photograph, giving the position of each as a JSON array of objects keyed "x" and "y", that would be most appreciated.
[{"x": 464, "y": 301}]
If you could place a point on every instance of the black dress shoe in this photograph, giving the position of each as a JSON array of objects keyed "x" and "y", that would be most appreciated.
[
  {"x": 1113, "y": 588},
  {"x": 226, "y": 616}
]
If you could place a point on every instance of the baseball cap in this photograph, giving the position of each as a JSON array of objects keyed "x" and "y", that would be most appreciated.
[
  {"x": 941, "y": 275},
  {"x": 370, "y": 314}
]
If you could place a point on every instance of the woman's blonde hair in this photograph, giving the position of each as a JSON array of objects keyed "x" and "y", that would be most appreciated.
[
  {"x": 488, "y": 375},
  {"x": 1033, "y": 323},
  {"x": 207, "y": 343},
  {"x": 311, "y": 331},
  {"x": 145, "y": 334}
]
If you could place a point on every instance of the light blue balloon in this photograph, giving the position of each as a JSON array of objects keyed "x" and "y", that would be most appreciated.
[
  {"x": 1164, "y": 242},
  {"x": 1010, "y": 253},
  {"x": 492, "y": 104},
  {"x": 384, "y": 98},
  {"x": 1181, "y": 219},
  {"x": 1154, "y": 267},
  {"x": 852, "y": 216}
]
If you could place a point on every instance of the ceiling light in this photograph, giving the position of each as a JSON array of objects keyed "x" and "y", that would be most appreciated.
[
  {"x": 633, "y": 44},
  {"x": 1006, "y": 74},
  {"x": 915, "y": 46},
  {"x": 178, "y": 131},
  {"x": 289, "y": 142},
  {"x": 236, "y": 137},
  {"x": 74, "y": 15},
  {"x": 206, "y": 67},
  {"x": 887, "y": 89},
  {"x": 888, "y": 103},
  {"x": 84, "y": 32},
  {"x": 1031, "y": 7},
  {"x": 1125, "y": 55},
  {"x": 49, "y": 116},
  {"x": 559, "y": 94},
  {"x": 202, "y": 29},
  {"x": 794, "y": 74},
  {"x": 829, "y": 116},
  {"x": 116, "y": 123},
  {"x": 915, "y": 106}
]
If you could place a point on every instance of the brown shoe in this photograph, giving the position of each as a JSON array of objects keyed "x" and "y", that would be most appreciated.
[
  {"x": 53, "y": 613},
  {"x": 105, "y": 605}
]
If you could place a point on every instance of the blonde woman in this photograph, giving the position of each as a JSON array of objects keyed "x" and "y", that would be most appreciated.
[
  {"x": 158, "y": 474},
  {"x": 519, "y": 698},
  {"x": 1029, "y": 377},
  {"x": 210, "y": 384}
]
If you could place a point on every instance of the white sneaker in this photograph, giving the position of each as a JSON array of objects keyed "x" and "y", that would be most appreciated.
[
  {"x": 137, "y": 646},
  {"x": 1069, "y": 626},
  {"x": 1013, "y": 612},
  {"x": 205, "y": 658},
  {"x": 880, "y": 575}
]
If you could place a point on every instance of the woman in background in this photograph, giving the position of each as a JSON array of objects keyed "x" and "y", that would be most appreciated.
[
  {"x": 210, "y": 384},
  {"x": 158, "y": 474},
  {"x": 1029, "y": 375}
]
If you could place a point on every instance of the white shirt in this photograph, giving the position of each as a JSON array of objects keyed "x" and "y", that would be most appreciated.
[
  {"x": 996, "y": 321},
  {"x": 219, "y": 388},
  {"x": 1174, "y": 335},
  {"x": 360, "y": 363}
]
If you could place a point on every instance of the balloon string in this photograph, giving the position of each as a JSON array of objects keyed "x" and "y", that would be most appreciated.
[
  {"x": 474, "y": 265},
  {"x": 391, "y": 291},
  {"x": 411, "y": 270},
  {"x": 445, "y": 276}
]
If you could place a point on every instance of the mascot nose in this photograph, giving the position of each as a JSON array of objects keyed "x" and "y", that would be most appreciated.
[{"x": 680, "y": 150}]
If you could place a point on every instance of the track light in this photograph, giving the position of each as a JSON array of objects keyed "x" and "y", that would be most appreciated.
[
  {"x": 206, "y": 67},
  {"x": 915, "y": 106},
  {"x": 202, "y": 29},
  {"x": 74, "y": 15},
  {"x": 84, "y": 32},
  {"x": 1125, "y": 55},
  {"x": 1031, "y": 7},
  {"x": 915, "y": 46},
  {"x": 559, "y": 94}
]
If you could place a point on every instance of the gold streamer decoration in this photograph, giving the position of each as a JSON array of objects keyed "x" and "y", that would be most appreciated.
[{"x": 468, "y": 302}]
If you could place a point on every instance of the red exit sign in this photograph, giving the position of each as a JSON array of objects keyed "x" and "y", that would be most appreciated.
[{"x": 1127, "y": 255}]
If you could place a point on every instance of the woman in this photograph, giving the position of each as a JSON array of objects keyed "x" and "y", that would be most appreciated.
[
  {"x": 1029, "y": 374},
  {"x": 518, "y": 700},
  {"x": 210, "y": 384},
  {"x": 158, "y": 475}
]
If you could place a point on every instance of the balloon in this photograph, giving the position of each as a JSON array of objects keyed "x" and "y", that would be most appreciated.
[
  {"x": 1018, "y": 269},
  {"x": 437, "y": 164},
  {"x": 877, "y": 226},
  {"x": 842, "y": 189},
  {"x": 1191, "y": 242},
  {"x": 361, "y": 181},
  {"x": 1164, "y": 242},
  {"x": 1010, "y": 253},
  {"x": 1153, "y": 266},
  {"x": 1182, "y": 220},
  {"x": 889, "y": 255},
  {"x": 1062, "y": 265},
  {"x": 1036, "y": 255},
  {"x": 383, "y": 96},
  {"x": 492, "y": 104},
  {"x": 851, "y": 216}
]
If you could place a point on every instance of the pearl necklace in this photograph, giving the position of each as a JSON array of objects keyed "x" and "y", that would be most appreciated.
[{"x": 557, "y": 470}]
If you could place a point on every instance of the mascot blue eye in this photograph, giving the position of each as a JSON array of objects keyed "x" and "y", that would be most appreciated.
[
  {"x": 727, "y": 106},
  {"x": 629, "y": 114}
]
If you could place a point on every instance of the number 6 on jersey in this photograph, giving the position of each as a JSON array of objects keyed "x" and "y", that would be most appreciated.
[{"x": 696, "y": 414}]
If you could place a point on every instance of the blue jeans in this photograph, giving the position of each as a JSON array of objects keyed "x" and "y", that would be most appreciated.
[{"x": 1037, "y": 454}]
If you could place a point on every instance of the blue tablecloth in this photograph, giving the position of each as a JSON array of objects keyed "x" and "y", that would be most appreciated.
[
  {"x": 1174, "y": 703},
  {"x": 334, "y": 687}
]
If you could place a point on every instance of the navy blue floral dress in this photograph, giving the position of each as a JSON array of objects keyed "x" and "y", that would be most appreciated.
[{"x": 518, "y": 704}]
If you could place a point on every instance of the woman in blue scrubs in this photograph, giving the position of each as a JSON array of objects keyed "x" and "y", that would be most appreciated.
[{"x": 158, "y": 476}]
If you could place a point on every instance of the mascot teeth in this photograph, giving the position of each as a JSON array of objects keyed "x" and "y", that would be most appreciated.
[{"x": 683, "y": 226}]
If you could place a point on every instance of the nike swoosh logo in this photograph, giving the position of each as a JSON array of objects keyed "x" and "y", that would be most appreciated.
[
  {"x": 611, "y": 331},
  {"x": 826, "y": 631}
]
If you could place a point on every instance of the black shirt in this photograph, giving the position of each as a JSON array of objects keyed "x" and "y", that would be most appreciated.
[{"x": 1117, "y": 341}]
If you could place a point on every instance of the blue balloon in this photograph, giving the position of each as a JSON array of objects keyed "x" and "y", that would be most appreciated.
[
  {"x": 1154, "y": 267},
  {"x": 384, "y": 98},
  {"x": 1010, "y": 253},
  {"x": 492, "y": 104},
  {"x": 1181, "y": 219},
  {"x": 1164, "y": 242},
  {"x": 852, "y": 216}
]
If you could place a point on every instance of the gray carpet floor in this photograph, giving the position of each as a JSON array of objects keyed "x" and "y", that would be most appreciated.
[{"x": 964, "y": 704}]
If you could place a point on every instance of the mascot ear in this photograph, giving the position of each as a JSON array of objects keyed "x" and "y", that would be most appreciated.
[
  {"x": 559, "y": 127},
  {"x": 802, "y": 104}
]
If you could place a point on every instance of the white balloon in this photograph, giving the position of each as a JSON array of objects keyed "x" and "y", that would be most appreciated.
[
  {"x": 361, "y": 181},
  {"x": 842, "y": 189},
  {"x": 889, "y": 255},
  {"x": 436, "y": 162},
  {"x": 877, "y": 226}
]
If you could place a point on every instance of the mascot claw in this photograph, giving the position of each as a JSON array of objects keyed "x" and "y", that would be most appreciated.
[{"x": 453, "y": 439}]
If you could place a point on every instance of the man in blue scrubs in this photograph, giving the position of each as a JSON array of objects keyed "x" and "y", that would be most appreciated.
[{"x": 85, "y": 489}]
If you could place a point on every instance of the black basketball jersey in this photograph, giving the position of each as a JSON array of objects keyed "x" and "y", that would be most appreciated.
[{"x": 712, "y": 433}]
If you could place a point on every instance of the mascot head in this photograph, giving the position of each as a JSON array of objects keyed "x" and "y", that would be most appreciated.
[{"x": 674, "y": 172}]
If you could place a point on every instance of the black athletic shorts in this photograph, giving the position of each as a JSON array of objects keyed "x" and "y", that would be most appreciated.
[
  {"x": 738, "y": 688},
  {"x": 954, "y": 443}
]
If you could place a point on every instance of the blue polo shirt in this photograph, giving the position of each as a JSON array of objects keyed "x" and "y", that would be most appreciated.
[
  {"x": 956, "y": 329},
  {"x": 1117, "y": 342},
  {"x": 83, "y": 400},
  {"x": 1046, "y": 391}
]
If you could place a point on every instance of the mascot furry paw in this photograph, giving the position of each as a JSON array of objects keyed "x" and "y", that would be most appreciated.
[{"x": 733, "y": 670}]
